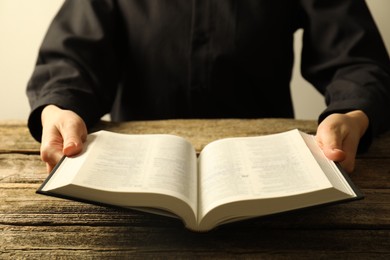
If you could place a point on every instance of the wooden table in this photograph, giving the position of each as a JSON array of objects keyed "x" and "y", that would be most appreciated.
[{"x": 34, "y": 226}]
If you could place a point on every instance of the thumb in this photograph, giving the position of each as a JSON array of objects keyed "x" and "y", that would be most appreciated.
[
  {"x": 332, "y": 145},
  {"x": 74, "y": 136}
]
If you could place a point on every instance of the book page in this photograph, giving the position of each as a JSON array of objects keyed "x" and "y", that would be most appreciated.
[
  {"x": 141, "y": 163},
  {"x": 257, "y": 167}
]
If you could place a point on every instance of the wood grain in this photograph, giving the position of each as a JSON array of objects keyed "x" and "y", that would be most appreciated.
[{"x": 34, "y": 226}]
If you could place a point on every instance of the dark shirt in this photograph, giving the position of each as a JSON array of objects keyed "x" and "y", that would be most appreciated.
[{"x": 162, "y": 59}]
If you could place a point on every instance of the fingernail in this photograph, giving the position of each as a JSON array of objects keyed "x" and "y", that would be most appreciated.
[
  {"x": 69, "y": 148},
  {"x": 70, "y": 145}
]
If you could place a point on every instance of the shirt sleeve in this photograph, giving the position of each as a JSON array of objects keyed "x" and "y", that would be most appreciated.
[
  {"x": 344, "y": 57},
  {"x": 78, "y": 66}
]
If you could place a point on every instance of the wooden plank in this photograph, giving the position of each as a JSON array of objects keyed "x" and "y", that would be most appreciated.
[
  {"x": 202, "y": 132},
  {"x": 371, "y": 173},
  {"x": 15, "y": 137},
  {"x": 20, "y": 168},
  {"x": 36, "y": 227},
  {"x": 162, "y": 242},
  {"x": 19, "y": 205},
  {"x": 77, "y": 254},
  {"x": 18, "y": 185},
  {"x": 214, "y": 128}
]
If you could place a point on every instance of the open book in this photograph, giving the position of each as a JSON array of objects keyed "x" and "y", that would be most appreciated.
[{"x": 232, "y": 179}]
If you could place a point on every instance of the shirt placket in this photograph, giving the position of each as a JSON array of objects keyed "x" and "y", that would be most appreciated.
[
  {"x": 200, "y": 56},
  {"x": 212, "y": 36}
]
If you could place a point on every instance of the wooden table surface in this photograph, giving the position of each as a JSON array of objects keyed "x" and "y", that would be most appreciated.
[{"x": 34, "y": 226}]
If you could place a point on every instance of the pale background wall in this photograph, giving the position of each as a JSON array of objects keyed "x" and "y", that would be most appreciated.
[{"x": 23, "y": 23}]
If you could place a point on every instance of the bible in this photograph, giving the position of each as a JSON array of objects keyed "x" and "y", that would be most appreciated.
[{"x": 231, "y": 179}]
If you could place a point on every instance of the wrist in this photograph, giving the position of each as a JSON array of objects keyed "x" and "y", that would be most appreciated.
[{"x": 47, "y": 111}]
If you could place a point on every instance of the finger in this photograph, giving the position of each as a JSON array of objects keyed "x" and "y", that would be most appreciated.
[
  {"x": 336, "y": 155},
  {"x": 51, "y": 152},
  {"x": 348, "y": 165},
  {"x": 331, "y": 144},
  {"x": 350, "y": 147},
  {"x": 347, "y": 162},
  {"x": 49, "y": 167},
  {"x": 74, "y": 135}
]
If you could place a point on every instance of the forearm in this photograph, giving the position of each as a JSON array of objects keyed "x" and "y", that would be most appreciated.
[
  {"x": 345, "y": 58},
  {"x": 71, "y": 71}
]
